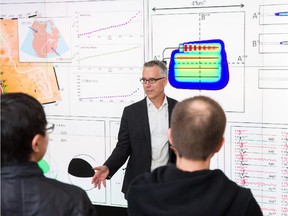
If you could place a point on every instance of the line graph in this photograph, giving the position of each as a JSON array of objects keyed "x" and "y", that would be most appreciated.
[
  {"x": 113, "y": 38},
  {"x": 114, "y": 55},
  {"x": 90, "y": 88},
  {"x": 110, "y": 97},
  {"x": 130, "y": 20},
  {"x": 260, "y": 161},
  {"x": 103, "y": 89},
  {"x": 109, "y": 23}
]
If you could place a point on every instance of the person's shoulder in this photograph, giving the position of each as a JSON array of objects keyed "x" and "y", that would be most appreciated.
[
  {"x": 244, "y": 201},
  {"x": 144, "y": 178},
  {"x": 156, "y": 176},
  {"x": 248, "y": 203},
  {"x": 151, "y": 180},
  {"x": 171, "y": 100},
  {"x": 242, "y": 191},
  {"x": 137, "y": 104},
  {"x": 64, "y": 188},
  {"x": 74, "y": 193}
]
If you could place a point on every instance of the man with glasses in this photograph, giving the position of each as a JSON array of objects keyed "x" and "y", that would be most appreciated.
[
  {"x": 24, "y": 188},
  {"x": 143, "y": 130}
]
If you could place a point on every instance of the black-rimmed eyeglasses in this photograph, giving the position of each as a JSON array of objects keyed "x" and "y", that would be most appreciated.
[
  {"x": 151, "y": 80},
  {"x": 50, "y": 128}
]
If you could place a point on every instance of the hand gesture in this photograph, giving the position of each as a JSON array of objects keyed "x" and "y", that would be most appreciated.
[{"x": 100, "y": 176}]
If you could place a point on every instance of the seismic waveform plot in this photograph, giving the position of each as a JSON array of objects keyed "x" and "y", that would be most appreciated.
[{"x": 199, "y": 65}]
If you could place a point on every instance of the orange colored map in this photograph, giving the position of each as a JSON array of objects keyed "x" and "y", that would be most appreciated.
[
  {"x": 44, "y": 43},
  {"x": 36, "y": 79}
]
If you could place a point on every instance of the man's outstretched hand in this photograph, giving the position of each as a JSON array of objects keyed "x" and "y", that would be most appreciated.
[{"x": 100, "y": 176}]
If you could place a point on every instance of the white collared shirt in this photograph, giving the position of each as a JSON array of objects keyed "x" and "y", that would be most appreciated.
[{"x": 159, "y": 123}]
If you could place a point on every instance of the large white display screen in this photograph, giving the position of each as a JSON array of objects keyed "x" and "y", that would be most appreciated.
[{"x": 83, "y": 61}]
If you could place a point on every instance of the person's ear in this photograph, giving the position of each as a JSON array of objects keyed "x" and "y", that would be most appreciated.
[
  {"x": 165, "y": 81},
  {"x": 170, "y": 136},
  {"x": 36, "y": 143},
  {"x": 221, "y": 143},
  {"x": 39, "y": 147},
  {"x": 172, "y": 147}
]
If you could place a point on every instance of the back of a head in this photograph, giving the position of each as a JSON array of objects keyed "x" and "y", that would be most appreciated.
[
  {"x": 198, "y": 125},
  {"x": 22, "y": 117}
]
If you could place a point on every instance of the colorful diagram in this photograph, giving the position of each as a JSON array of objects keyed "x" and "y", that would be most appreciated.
[
  {"x": 199, "y": 65},
  {"x": 36, "y": 79},
  {"x": 41, "y": 40}
]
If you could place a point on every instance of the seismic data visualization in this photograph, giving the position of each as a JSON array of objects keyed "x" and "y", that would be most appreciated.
[{"x": 199, "y": 65}]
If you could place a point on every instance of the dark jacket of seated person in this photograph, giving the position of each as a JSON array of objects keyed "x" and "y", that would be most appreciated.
[
  {"x": 25, "y": 191},
  {"x": 190, "y": 188}
]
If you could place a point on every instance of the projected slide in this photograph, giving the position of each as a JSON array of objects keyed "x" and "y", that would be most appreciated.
[
  {"x": 83, "y": 60},
  {"x": 201, "y": 29}
]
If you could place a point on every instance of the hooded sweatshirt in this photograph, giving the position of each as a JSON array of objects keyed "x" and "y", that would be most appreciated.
[{"x": 168, "y": 191}]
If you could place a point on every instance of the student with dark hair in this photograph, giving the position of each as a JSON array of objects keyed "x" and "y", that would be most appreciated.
[
  {"x": 190, "y": 187},
  {"x": 24, "y": 188},
  {"x": 142, "y": 137}
]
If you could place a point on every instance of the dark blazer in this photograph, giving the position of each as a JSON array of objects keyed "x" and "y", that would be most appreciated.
[{"x": 134, "y": 140}]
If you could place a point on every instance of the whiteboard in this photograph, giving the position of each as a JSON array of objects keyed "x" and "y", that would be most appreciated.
[{"x": 91, "y": 72}]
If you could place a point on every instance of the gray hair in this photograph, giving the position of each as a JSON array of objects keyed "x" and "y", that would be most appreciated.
[{"x": 160, "y": 64}]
